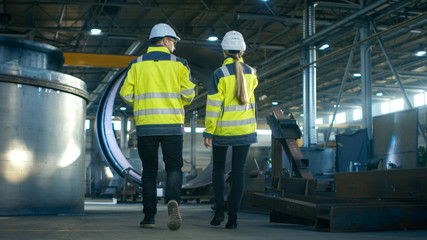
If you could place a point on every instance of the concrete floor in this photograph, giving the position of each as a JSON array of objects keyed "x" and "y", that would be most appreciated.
[{"x": 104, "y": 220}]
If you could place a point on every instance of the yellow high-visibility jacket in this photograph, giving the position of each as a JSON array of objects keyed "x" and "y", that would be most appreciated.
[
  {"x": 227, "y": 122},
  {"x": 158, "y": 84}
]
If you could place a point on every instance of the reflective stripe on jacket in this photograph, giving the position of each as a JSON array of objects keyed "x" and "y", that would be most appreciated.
[
  {"x": 158, "y": 84},
  {"x": 226, "y": 121}
]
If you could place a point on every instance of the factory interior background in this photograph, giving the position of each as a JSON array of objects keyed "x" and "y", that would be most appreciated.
[{"x": 341, "y": 106}]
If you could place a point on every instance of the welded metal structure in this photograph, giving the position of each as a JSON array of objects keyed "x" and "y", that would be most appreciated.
[
  {"x": 42, "y": 148},
  {"x": 356, "y": 201}
]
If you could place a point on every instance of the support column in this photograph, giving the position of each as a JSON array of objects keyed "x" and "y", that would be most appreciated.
[
  {"x": 365, "y": 69},
  {"x": 193, "y": 125},
  {"x": 309, "y": 79},
  {"x": 124, "y": 132}
]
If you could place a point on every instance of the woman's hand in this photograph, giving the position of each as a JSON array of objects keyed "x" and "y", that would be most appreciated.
[{"x": 208, "y": 142}]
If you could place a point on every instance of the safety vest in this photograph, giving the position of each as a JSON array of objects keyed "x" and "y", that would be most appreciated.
[
  {"x": 158, "y": 84},
  {"x": 226, "y": 121}
]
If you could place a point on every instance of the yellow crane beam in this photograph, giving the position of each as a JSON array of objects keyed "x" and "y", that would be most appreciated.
[{"x": 97, "y": 60}]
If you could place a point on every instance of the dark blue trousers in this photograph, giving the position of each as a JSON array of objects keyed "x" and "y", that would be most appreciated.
[{"x": 239, "y": 155}]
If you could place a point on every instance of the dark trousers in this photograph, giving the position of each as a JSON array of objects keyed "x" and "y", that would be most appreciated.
[
  {"x": 239, "y": 154},
  {"x": 172, "y": 156}
]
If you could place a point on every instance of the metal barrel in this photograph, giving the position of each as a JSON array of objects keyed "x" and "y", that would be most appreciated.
[{"x": 42, "y": 147}]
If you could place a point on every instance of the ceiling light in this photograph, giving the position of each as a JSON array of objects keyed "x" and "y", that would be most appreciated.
[
  {"x": 324, "y": 46},
  {"x": 122, "y": 108},
  {"x": 274, "y": 103},
  {"x": 379, "y": 94},
  {"x": 421, "y": 51},
  {"x": 357, "y": 74},
  {"x": 212, "y": 36},
  {"x": 95, "y": 29}
]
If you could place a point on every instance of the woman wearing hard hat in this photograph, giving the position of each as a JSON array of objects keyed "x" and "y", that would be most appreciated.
[{"x": 230, "y": 121}]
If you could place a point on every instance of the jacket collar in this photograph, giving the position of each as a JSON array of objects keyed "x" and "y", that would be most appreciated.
[
  {"x": 229, "y": 60},
  {"x": 158, "y": 48}
]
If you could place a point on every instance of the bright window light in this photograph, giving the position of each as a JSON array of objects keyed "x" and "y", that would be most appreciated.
[
  {"x": 330, "y": 119},
  {"x": 263, "y": 131},
  {"x": 396, "y": 105},
  {"x": 385, "y": 107},
  {"x": 198, "y": 130},
  {"x": 340, "y": 118},
  {"x": 319, "y": 121},
  {"x": 419, "y": 99},
  {"x": 117, "y": 125},
  {"x": 87, "y": 124},
  {"x": 108, "y": 172},
  {"x": 357, "y": 114}
]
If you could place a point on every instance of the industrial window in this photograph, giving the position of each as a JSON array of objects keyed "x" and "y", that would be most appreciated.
[
  {"x": 385, "y": 107},
  {"x": 396, "y": 105},
  {"x": 419, "y": 99},
  {"x": 357, "y": 114}
]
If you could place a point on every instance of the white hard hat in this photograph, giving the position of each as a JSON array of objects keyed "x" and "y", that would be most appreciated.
[
  {"x": 162, "y": 30},
  {"x": 233, "y": 40}
]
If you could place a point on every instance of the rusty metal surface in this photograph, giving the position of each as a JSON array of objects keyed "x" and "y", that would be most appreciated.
[
  {"x": 295, "y": 155},
  {"x": 359, "y": 201},
  {"x": 402, "y": 184},
  {"x": 301, "y": 186},
  {"x": 343, "y": 215},
  {"x": 286, "y": 131},
  {"x": 382, "y": 217},
  {"x": 286, "y": 206}
]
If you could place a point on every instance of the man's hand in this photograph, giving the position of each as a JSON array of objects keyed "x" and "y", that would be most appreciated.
[{"x": 208, "y": 142}]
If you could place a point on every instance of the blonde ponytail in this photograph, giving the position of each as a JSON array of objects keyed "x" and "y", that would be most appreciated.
[{"x": 241, "y": 93}]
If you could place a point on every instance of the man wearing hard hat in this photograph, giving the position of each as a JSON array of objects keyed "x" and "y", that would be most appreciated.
[{"x": 159, "y": 84}]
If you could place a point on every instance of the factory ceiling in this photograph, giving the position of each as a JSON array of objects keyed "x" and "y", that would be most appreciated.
[{"x": 274, "y": 32}]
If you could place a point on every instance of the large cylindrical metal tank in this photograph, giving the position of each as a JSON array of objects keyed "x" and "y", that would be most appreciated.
[{"x": 42, "y": 147}]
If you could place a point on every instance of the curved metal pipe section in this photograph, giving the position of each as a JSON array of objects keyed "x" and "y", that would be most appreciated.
[{"x": 110, "y": 150}]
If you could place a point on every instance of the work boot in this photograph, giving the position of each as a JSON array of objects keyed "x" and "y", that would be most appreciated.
[
  {"x": 218, "y": 217},
  {"x": 174, "y": 220},
  {"x": 148, "y": 221},
  {"x": 232, "y": 222}
]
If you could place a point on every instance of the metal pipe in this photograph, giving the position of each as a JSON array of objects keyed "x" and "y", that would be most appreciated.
[
  {"x": 309, "y": 80},
  {"x": 365, "y": 65},
  {"x": 344, "y": 79}
]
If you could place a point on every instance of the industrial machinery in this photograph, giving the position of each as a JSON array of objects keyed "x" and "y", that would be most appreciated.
[
  {"x": 356, "y": 201},
  {"x": 42, "y": 128}
]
